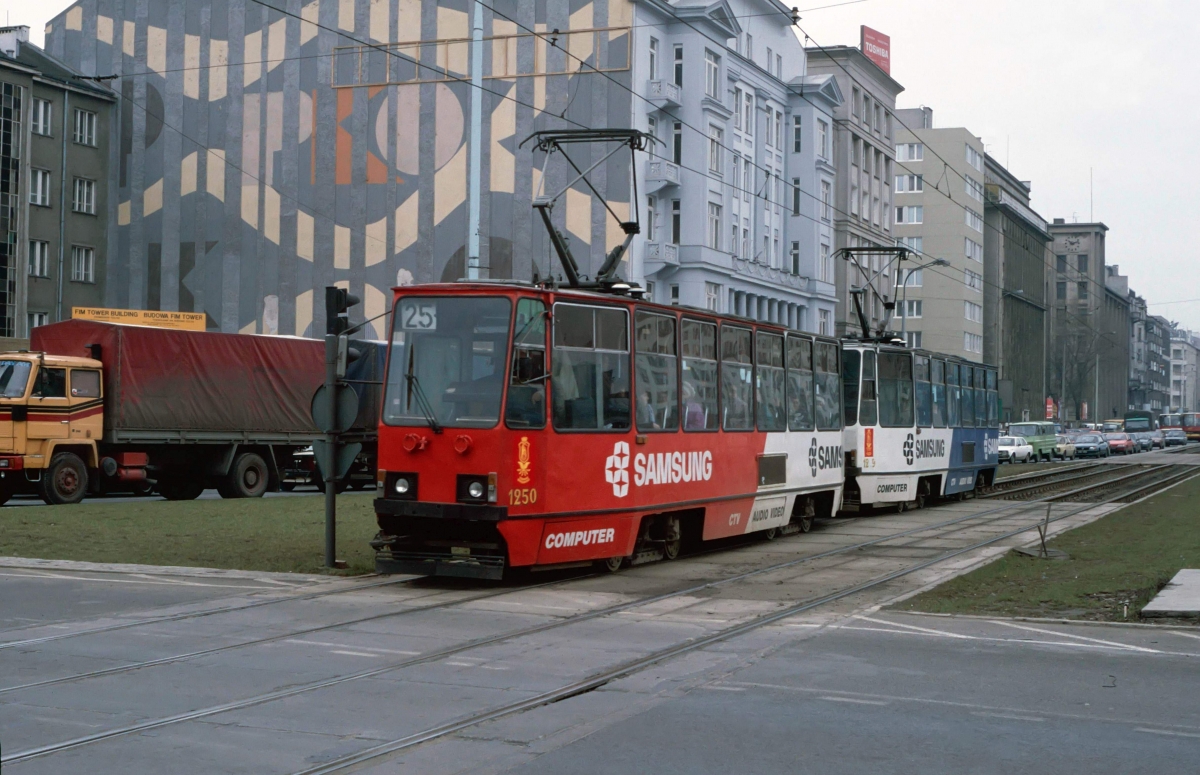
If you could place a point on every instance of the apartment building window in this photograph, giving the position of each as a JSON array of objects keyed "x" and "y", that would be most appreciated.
[
  {"x": 737, "y": 173},
  {"x": 733, "y": 237},
  {"x": 39, "y": 188},
  {"x": 677, "y": 142},
  {"x": 779, "y": 66},
  {"x": 737, "y": 107},
  {"x": 910, "y": 214},
  {"x": 679, "y": 64},
  {"x": 83, "y": 200},
  {"x": 913, "y": 278},
  {"x": 746, "y": 241},
  {"x": 778, "y": 130},
  {"x": 823, "y": 327},
  {"x": 676, "y": 221},
  {"x": 915, "y": 244},
  {"x": 38, "y": 319},
  {"x": 651, "y": 218},
  {"x": 1061, "y": 291},
  {"x": 973, "y": 312},
  {"x": 649, "y": 291},
  {"x": 775, "y": 250},
  {"x": 714, "y": 225},
  {"x": 794, "y": 253},
  {"x": 712, "y": 71},
  {"x": 1083, "y": 264},
  {"x": 825, "y": 270},
  {"x": 822, "y": 139},
  {"x": 749, "y": 46},
  {"x": 974, "y": 220},
  {"x": 795, "y": 196},
  {"x": 909, "y": 183},
  {"x": 973, "y": 280},
  {"x": 43, "y": 113},
  {"x": 652, "y": 130},
  {"x": 973, "y": 249},
  {"x": 855, "y": 96},
  {"x": 910, "y": 152},
  {"x": 770, "y": 61},
  {"x": 39, "y": 258},
  {"x": 83, "y": 264},
  {"x": 675, "y": 295},
  {"x": 1083, "y": 289},
  {"x": 913, "y": 339},
  {"x": 715, "y": 139},
  {"x": 1061, "y": 262},
  {"x": 975, "y": 158},
  {"x": 85, "y": 127},
  {"x": 797, "y": 134},
  {"x": 972, "y": 343},
  {"x": 911, "y": 308},
  {"x": 712, "y": 297},
  {"x": 826, "y": 200},
  {"x": 747, "y": 179},
  {"x": 974, "y": 189},
  {"x": 653, "y": 59}
]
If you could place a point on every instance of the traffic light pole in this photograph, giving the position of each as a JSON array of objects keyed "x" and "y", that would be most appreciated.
[{"x": 329, "y": 464}]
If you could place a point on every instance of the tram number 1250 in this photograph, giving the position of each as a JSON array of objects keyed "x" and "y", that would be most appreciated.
[{"x": 522, "y": 497}]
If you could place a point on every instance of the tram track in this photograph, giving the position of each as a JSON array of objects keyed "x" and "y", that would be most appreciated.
[{"x": 290, "y": 691}]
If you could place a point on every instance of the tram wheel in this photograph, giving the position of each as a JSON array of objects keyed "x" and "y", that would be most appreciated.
[
  {"x": 805, "y": 521},
  {"x": 922, "y": 494},
  {"x": 771, "y": 534},
  {"x": 674, "y": 539},
  {"x": 612, "y": 564}
]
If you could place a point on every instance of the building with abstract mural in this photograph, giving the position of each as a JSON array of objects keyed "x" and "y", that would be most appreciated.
[{"x": 268, "y": 148}]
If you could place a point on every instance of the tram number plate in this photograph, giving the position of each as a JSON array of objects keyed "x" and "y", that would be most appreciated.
[
  {"x": 522, "y": 497},
  {"x": 418, "y": 315}
]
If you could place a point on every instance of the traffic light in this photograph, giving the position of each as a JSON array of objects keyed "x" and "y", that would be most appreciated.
[{"x": 337, "y": 302}]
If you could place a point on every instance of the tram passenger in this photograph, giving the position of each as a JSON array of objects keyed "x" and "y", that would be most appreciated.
[
  {"x": 646, "y": 419},
  {"x": 693, "y": 410}
]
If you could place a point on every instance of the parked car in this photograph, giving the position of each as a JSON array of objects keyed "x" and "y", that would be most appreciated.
[
  {"x": 1065, "y": 448},
  {"x": 1175, "y": 437},
  {"x": 1015, "y": 449},
  {"x": 1120, "y": 442},
  {"x": 1091, "y": 445}
]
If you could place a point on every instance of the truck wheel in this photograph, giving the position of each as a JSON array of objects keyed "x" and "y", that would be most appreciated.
[
  {"x": 65, "y": 481},
  {"x": 180, "y": 487},
  {"x": 247, "y": 477}
]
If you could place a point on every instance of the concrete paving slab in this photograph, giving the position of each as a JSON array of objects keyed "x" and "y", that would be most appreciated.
[{"x": 1180, "y": 597}]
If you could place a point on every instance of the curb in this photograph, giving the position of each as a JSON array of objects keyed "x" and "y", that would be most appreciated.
[{"x": 30, "y": 563}]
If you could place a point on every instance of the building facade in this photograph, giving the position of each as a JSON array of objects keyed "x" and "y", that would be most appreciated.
[
  {"x": 1089, "y": 344},
  {"x": 864, "y": 157},
  {"x": 942, "y": 307},
  {"x": 1016, "y": 317},
  {"x": 54, "y": 173},
  {"x": 1149, "y": 358},
  {"x": 1185, "y": 370},
  {"x": 735, "y": 219}
]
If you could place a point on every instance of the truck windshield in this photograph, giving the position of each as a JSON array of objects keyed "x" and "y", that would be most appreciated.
[
  {"x": 447, "y": 363},
  {"x": 1023, "y": 430},
  {"x": 13, "y": 377}
]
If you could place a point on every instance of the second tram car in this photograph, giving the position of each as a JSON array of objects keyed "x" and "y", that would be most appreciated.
[
  {"x": 526, "y": 426},
  {"x": 918, "y": 425}
]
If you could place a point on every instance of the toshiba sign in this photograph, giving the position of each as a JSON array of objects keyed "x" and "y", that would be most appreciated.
[{"x": 877, "y": 47}]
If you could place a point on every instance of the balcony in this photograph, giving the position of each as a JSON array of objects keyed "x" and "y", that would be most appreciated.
[
  {"x": 660, "y": 173},
  {"x": 664, "y": 94},
  {"x": 660, "y": 255}
]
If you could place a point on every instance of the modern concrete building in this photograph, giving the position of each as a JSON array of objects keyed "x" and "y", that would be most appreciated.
[
  {"x": 733, "y": 195},
  {"x": 1185, "y": 371},
  {"x": 942, "y": 307},
  {"x": 1149, "y": 358},
  {"x": 54, "y": 180},
  {"x": 864, "y": 157},
  {"x": 1016, "y": 316},
  {"x": 1089, "y": 344}
]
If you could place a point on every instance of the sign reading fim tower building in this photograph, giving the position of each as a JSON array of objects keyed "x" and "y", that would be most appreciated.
[{"x": 337, "y": 147}]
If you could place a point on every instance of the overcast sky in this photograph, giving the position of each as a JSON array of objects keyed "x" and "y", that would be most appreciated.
[{"x": 1054, "y": 88}]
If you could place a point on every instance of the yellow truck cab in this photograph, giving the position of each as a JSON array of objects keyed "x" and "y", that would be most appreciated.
[{"x": 51, "y": 418}]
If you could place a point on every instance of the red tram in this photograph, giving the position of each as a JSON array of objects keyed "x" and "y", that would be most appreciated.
[{"x": 528, "y": 426}]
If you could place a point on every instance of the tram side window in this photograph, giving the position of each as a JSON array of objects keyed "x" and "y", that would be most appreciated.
[
  {"x": 868, "y": 413},
  {"x": 967, "y": 414},
  {"x": 981, "y": 420},
  {"x": 590, "y": 368},
  {"x": 737, "y": 396},
  {"x": 829, "y": 410},
  {"x": 657, "y": 375},
  {"x": 799, "y": 384},
  {"x": 952, "y": 395},
  {"x": 924, "y": 392},
  {"x": 851, "y": 371},
  {"x": 769, "y": 382},
  {"x": 526, "y": 407},
  {"x": 993, "y": 400},
  {"x": 939, "y": 394},
  {"x": 699, "y": 344},
  {"x": 895, "y": 389}
]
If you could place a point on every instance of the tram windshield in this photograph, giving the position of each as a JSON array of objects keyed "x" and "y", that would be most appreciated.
[{"x": 447, "y": 363}]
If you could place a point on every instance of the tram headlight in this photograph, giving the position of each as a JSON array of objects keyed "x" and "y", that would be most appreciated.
[
  {"x": 475, "y": 490},
  {"x": 471, "y": 488},
  {"x": 401, "y": 486}
]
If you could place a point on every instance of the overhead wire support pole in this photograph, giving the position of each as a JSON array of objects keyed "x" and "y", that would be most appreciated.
[{"x": 476, "y": 171}]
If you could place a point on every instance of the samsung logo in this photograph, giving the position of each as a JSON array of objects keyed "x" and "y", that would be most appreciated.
[{"x": 931, "y": 448}]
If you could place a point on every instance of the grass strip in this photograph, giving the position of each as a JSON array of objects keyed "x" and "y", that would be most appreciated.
[
  {"x": 268, "y": 534},
  {"x": 1122, "y": 559}
]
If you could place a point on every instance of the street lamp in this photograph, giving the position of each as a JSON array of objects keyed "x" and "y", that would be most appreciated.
[{"x": 904, "y": 293}]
